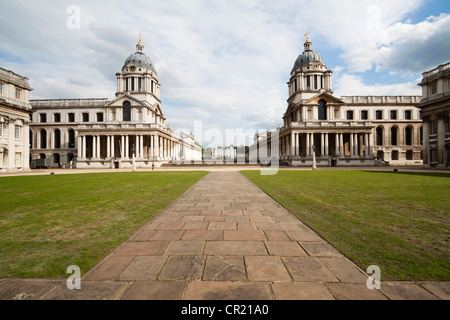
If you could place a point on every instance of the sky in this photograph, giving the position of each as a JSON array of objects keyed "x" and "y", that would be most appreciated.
[{"x": 223, "y": 65}]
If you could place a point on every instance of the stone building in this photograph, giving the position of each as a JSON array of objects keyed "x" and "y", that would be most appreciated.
[
  {"x": 344, "y": 131},
  {"x": 435, "y": 106},
  {"x": 98, "y": 133},
  {"x": 15, "y": 111}
]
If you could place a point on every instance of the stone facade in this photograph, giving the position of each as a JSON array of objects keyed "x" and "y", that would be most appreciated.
[
  {"x": 435, "y": 106},
  {"x": 345, "y": 131},
  {"x": 128, "y": 131},
  {"x": 15, "y": 111}
]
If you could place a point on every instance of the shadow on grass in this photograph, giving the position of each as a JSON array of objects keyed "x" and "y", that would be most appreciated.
[{"x": 399, "y": 172}]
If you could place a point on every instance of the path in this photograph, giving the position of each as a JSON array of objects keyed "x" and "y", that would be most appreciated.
[{"x": 223, "y": 239}]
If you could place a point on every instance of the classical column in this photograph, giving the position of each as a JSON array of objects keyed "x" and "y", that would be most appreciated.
[
  {"x": 79, "y": 146},
  {"x": 356, "y": 144},
  {"x": 366, "y": 137},
  {"x": 352, "y": 150},
  {"x": 326, "y": 145},
  {"x": 136, "y": 146},
  {"x": 127, "y": 147},
  {"x": 122, "y": 147},
  {"x": 112, "y": 147},
  {"x": 322, "y": 144},
  {"x": 341, "y": 144},
  {"x": 336, "y": 144},
  {"x": 108, "y": 147},
  {"x": 141, "y": 146},
  {"x": 307, "y": 144},
  {"x": 426, "y": 145},
  {"x": 98, "y": 147},
  {"x": 83, "y": 150}
]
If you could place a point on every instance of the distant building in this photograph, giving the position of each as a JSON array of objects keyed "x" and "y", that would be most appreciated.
[
  {"x": 345, "y": 131},
  {"x": 227, "y": 153},
  {"x": 435, "y": 106},
  {"x": 98, "y": 133},
  {"x": 15, "y": 111}
]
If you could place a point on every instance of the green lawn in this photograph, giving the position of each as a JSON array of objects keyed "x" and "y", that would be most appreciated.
[
  {"x": 399, "y": 221},
  {"x": 48, "y": 223}
]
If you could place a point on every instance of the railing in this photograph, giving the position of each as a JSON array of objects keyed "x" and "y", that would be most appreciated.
[{"x": 435, "y": 71}]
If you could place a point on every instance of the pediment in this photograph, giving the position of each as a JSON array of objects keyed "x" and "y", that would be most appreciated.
[
  {"x": 330, "y": 99},
  {"x": 118, "y": 101}
]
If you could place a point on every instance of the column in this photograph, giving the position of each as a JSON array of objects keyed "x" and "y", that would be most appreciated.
[
  {"x": 322, "y": 144},
  {"x": 112, "y": 147},
  {"x": 312, "y": 142},
  {"x": 336, "y": 144},
  {"x": 83, "y": 152},
  {"x": 94, "y": 148},
  {"x": 136, "y": 146},
  {"x": 141, "y": 146},
  {"x": 352, "y": 151},
  {"x": 122, "y": 147},
  {"x": 98, "y": 147},
  {"x": 356, "y": 144},
  {"x": 79, "y": 146},
  {"x": 341, "y": 144},
  {"x": 366, "y": 137},
  {"x": 426, "y": 146},
  {"x": 152, "y": 145},
  {"x": 127, "y": 147},
  {"x": 326, "y": 145},
  {"x": 108, "y": 147},
  {"x": 308, "y": 144}
]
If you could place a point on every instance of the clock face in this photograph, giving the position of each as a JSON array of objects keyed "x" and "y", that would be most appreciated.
[
  {"x": 315, "y": 66},
  {"x": 132, "y": 68}
]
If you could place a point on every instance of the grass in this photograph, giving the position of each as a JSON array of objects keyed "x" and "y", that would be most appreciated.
[
  {"x": 398, "y": 221},
  {"x": 48, "y": 223}
]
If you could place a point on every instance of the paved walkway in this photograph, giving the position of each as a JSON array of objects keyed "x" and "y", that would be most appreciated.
[{"x": 223, "y": 239}]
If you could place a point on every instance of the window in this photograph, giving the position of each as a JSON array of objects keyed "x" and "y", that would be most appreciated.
[
  {"x": 315, "y": 81},
  {"x": 57, "y": 138},
  {"x": 408, "y": 114},
  {"x": 393, "y": 114},
  {"x": 139, "y": 84},
  {"x": 421, "y": 135},
  {"x": 43, "y": 117},
  {"x": 85, "y": 117},
  {"x": 17, "y": 132},
  {"x": 18, "y": 93},
  {"x": 132, "y": 83},
  {"x": 433, "y": 88},
  {"x": 379, "y": 115},
  {"x": 71, "y": 138},
  {"x": 394, "y": 136},
  {"x": 394, "y": 155},
  {"x": 349, "y": 115},
  {"x": 322, "y": 110},
  {"x": 409, "y": 155},
  {"x": 71, "y": 117},
  {"x": 379, "y": 137},
  {"x": 364, "y": 115},
  {"x": 17, "y": 159},
  {"x": 57, "y": 117},
  {"x": 100, "y": 117},
  {"x": 126, "y": 84},
  {"x": 1, "y": 88},
  {"x": 308, "y": 83},
  {"x": 295, "y": 85},
  {"x": 126, "y": 111},
  {"x": 408, "y": 136}
]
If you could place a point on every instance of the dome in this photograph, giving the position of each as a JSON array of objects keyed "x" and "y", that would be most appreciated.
[
  {"x": 307, "y": 56},
  {"x": 139, "y": 58}
]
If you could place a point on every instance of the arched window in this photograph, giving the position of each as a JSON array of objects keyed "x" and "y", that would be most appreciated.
[
  {"x": 43, "y": 134},
  {"x": 71, "y": 138},
  {"x": 127, "y": 111},
  {"x": 322, "y": 110},
  {"x": 394, "y": 133},
  {"x": 379, "y": 134},
  {"x": 57, "y": 138},
  {"x": 408, "y": 136},
  {"x": 394, "y": 155}
]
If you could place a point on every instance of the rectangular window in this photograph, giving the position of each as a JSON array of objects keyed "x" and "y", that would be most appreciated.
[
  {"x": 17, "y": 132},
  {"x": 139, "y": 84},
  {"x": 364, "y": 115},
  {"x": 349, "y": 115},
  {"x": 308, "y": 83},
  {"x": 43, "y": 117},
  {"x": 379, "y": 115},
  {"x": 71, "y": 117},
  {"x": 17, "y": 159},
  {"x": 57, "y": 117},
  {"x": 393, "y": 115},
  {"x": 408, "y": 114},
  {"x": 295, "y": 85},
  {"x": 85, "y": 117},
  {"x": 132, "y": 83},
  {"x": 315, "y": 81},
  {"x": 18, "y": 93},
  {"x": 1, "y": 88},
  {"x": 433, "y": 88},
  {"x": 100, "y": 117}
]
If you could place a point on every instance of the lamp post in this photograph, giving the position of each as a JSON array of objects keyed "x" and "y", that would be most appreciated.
[{"x": 314, "y": 167}]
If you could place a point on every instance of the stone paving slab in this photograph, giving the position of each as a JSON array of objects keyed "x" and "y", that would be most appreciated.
[{"x": 224, "y": 239}]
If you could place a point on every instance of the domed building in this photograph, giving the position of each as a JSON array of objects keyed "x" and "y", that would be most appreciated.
[
  {"x": 129, "y": 131},
  {"x": 344, "y": 131}
]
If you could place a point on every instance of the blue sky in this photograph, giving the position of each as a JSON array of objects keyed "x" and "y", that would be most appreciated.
[{"x": 225, "y": 63}]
